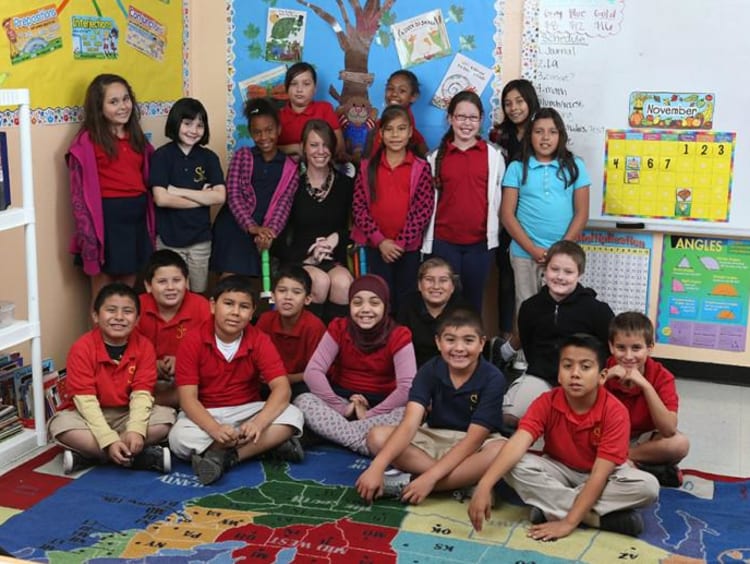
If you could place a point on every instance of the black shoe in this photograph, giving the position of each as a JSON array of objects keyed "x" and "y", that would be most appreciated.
[
  {"x": 153, "y": 458},
  {"x": 289, "y": 451},
  {"x": 75, "y": 462},
  {"x": 537, "y": 516},
  {"x": 211, "y": 465},
  {"x": 626, "y": 522},
  {"x": 669, "y": 475}
]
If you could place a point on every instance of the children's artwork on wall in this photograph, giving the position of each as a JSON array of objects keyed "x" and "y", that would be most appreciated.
[
  {"x": 48, "y": 47},
  {"x": 352, "y": 46},
  {"x": 704, "y": 292},
  {"x": 266, "y": 84},
  {"x": 463, "y": 74},
  {"x": 285, "y": 35}
]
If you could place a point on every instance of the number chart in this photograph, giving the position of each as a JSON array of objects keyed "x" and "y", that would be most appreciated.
[{"x": 668, "y": 174}]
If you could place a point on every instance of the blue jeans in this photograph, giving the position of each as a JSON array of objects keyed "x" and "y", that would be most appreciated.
[
  {"x": 472, "y": 265},
  {"x": 401, "y": 275}
]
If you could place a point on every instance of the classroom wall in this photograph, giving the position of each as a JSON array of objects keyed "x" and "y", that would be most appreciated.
[{"x": 64, "y": 289}]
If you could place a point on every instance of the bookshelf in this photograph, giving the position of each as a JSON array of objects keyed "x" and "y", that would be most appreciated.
[{"x": 26, "y": 330}]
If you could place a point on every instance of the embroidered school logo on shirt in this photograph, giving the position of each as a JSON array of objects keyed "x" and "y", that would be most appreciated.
[
  {"x": 181, "y": 330},
  {"x": 596, "y": 435},
  {"x": 473, "y": 401},
  {"x": 131, "y": 372},
  {"x": 200, "y": 174}
]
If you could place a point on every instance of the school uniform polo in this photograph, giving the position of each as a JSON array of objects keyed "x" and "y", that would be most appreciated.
[
  {"x": 578, "y": 439},
  {"x": 170, "y": 165},
  {"x": 295, "y": 346},
  {"x": 292, "y": 123},
  {"x": 120, "y": 176},
  {"x": 166, "y": 336},
  {"x": 223, "y": 383},
  {"x": 635, "y": 402},
  {"x": 91, "y": 371},
  {"x": 545, "y": 207},
  {"x": 461, "y": 216},
  {"x": 265, "y": 179},
  {"x": 392, "y": 188},
  {"x": 478, "y": 401}
]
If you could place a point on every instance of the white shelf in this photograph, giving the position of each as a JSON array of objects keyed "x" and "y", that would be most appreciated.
[
  {"x": 14, "y": 217},
  {"x": 15, "y": 447},
  {"x": 17, "y": 332}
]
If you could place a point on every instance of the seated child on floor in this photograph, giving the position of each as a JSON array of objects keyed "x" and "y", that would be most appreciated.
[
  {"x": 294, "y": 330},
  {"x": 583, "y": 475},
  {"x": 561, "y": 308},
  {"x": 219, "y": 372},
  {"x": 448, "y": 436},
  {"x": 647, "y": 389},
  {"x": 109, "y": 412},
  {"x": 169, "y": 311},
  {"x": 360, "y": 374}
]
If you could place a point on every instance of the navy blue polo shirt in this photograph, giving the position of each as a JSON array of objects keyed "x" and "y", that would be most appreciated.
[
  {"x": 169, "y": 165},
  {"x": 479, "y": 400},
  {"x": 265, "y": 180}
]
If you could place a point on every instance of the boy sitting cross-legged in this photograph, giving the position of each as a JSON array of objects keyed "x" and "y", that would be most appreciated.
[
  {"x": 648, "y": 391},
  {"x": 294, "y": 330},
  {"x": 459, "y": 396},
  {"x": 583, "y": 475},
  {"x": 219, "y": 372},
  {"x": 169, "y": 311},
  {"x": 109, "y": 412}
]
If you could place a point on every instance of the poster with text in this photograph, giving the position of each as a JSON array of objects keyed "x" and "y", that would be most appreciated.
[{"x": 703, "y": 294}]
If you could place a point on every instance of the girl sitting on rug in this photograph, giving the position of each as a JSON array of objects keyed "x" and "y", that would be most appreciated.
[{"x": 360, "y": 374}]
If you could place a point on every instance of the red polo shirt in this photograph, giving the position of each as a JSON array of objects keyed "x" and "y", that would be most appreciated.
[
  {"x": 298, "y": 345},
  {"x": 393, "y": 191},
  {"x": 578, "y": 439},
  {"x": 292, "y": 123},
  {"x": 167, "y": 335},
  {"x": 635, "y": 402},
  {"x": 461, "y": 216},
  {"x": 222, "y": 383},
  {"x": 122, "y": 176},
  {"x": 91, "y": 372}
]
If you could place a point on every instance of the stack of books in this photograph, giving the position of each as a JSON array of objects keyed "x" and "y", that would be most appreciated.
[
  {"x": 10, "y": 423},
  {"x": 16, "y": 387}
]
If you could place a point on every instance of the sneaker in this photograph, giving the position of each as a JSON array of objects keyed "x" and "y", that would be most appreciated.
[
  {"x": 669, "y": 475},
  {"x": 520, "y": 364},
  {"x": 626, "y": 522},
  {"x": 537, "y": 516},
  {"x": 75, "y": 462},
  {"x": 290, "y": 451},
  {"x": 211, "y": 465},
  {"x": 153, "y": 458},
  {"x": 394, "y": 482},
  {"x": 463, "y": 494}
]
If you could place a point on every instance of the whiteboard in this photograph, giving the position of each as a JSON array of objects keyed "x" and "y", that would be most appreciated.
[{"x": 585, "y": 57}]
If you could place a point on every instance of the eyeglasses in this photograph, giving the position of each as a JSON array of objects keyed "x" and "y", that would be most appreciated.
[
  {"x": 470, "y": 119},
  {"x": 442, "y": 281}
]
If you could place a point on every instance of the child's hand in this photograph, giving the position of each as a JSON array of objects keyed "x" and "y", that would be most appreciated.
[
  {"x": 249, "y": 432},
  {"x": 370, "y": 484},
  {"x": 417, "y": 490},
  {"x": 551, "y": 530},
  {"x": 390, "y": 251},
  {"x": 480, "y": 507},
  {"x": 165, "y": 368},
  {"x": 361, "y": 405},
  {"x": 119, "y": 453},
  {"x": 539, "y": 255},
  {"x": 225, "y": 435},
  {"x": 134, "y": 442},
  {"x": 628, "y": 377}
]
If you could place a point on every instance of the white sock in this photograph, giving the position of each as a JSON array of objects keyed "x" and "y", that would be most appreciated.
[{"x": 507, "y": 351}]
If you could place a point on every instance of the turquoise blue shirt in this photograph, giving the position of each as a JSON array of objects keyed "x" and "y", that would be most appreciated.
[{"x": 545, "y": 206}]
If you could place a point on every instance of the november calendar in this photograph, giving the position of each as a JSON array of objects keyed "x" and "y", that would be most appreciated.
[{"x": 667, "y": 174}]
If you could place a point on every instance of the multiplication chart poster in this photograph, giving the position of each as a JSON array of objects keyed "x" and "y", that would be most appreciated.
[
  {"x": 703, "y": 294},
  {"x": 618, "y": 264},
  {"x": 669, "y": 174}
]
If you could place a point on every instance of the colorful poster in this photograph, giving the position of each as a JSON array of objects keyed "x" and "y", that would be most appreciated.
[
  {"x": 421, "y": 38},
  {"x": 32, "y": 34},
  {"x": 609, "y": 254},
  {"x": 671, "y": 110},
  {"x": 94, "y": 37},
  {"x": 145, "y": 34},
  {"x": 703, "y": 294},
  {"x": 668, "y": 174},
  {"x": 269, "y": 83},
  {"x": 285, "y": 35},
  {"x": 462, "y": 74}
]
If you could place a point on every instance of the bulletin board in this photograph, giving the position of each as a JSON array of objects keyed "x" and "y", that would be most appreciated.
[
  {"x": 590, "y": 58},
  {"x": 55, "y": 47},
  {"x": 266, "y": 37}
]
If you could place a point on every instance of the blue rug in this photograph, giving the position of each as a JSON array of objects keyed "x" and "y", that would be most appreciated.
[{"x": 270, "y": 512}]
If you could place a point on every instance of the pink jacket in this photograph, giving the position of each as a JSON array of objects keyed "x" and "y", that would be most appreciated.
[{"x": 86, "y": 198}]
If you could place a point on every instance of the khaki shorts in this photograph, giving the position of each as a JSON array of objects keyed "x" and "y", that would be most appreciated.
[
  {"x": 116, "y": 417},
  {"x": 437, "y": 442}
]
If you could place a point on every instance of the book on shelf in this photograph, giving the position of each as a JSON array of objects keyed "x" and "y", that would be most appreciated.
[
  {"x": 7, "y": 411},
  {"x": 4, "y": 175},
  {"x": 10, "y": 431},
  {"x": 23, "y": 388}
]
